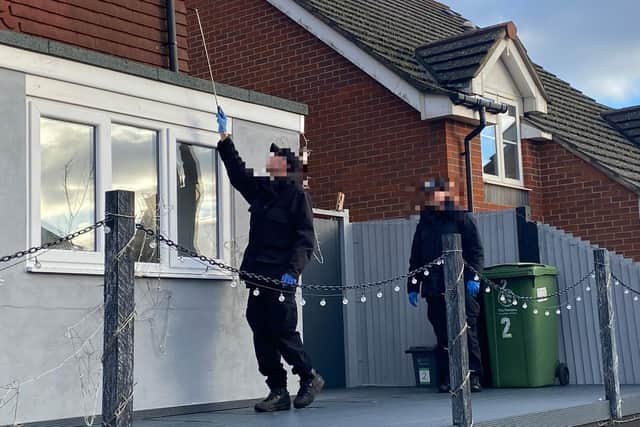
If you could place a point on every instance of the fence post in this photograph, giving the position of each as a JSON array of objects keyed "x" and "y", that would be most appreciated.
[
  {"x": 608, "y": 344},
  {"x": 117, "y": 359},
  {"x": 456, "y": 327}
]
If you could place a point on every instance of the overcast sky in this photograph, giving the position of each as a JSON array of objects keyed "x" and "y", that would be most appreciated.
[{"x": 592, "y": 44}]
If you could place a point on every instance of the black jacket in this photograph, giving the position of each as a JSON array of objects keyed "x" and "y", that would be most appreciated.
[
  {"x": 281, "y": 235},
  {"x": 427, "y": 246}
]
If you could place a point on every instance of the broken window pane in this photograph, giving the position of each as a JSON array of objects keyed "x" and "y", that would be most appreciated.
[
  {"x": 489, "y": 151},
  {"x": 134, "y": 154},
  {"x": 197, "y": 201},
  {"x": 67, "y": 182},
  {"x": 511, "y": 161}
]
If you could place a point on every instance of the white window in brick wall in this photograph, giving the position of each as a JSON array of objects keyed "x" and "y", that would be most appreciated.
[{"x": 501, "y": 151}]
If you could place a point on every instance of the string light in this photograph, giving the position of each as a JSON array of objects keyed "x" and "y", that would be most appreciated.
[
  {"x": 626, "y": 291},
  {"x": 588, "y": 289},
  {"x": 535, "y": 311},
  {"x": 558, "y": 312},
  {"x": 578, "y": 298},
  {"x": 153, "y": 244},
  {"x": 363, "y": 298},
  {"x": 256, "y": 292},
  {"x": 635, "y": 298},
  {"x": 281, "y": 297},
  {"x": 524, "y": 305},
  {"x": 37, "y": 263},
  {"x": 503, "y": 299},
  {"x": 515, "y": 302},
  {"x": 107, "y": 229},
  {"x": 414, "y": 281},
  {"x": 345, "y": 301},
  {"x": 303, "y": 302},
  {"x": 379, "y": 294},
  {"x": 323, "y": 302},
  {"x": 547, "y": 313},
  {"x": 488, "y": 289},
  {"x": 426, "y": 272},
  {"x": 569, "y": 307},
  {"x": 396, "y": 289}
]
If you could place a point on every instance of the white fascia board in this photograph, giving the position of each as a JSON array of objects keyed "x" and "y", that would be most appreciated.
[
  {"x": 48, "y": 77},
  {"x": 440, "y": 107},
  {"x": 349, "y": 50},
  {"x": 532, "y": 98},
  {"x": 527, "y": 131}
]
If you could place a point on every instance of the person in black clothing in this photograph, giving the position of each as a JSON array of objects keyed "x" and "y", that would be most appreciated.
[
  {"x": 281, "y": 243},
  {"x": 440, "y": 215}
]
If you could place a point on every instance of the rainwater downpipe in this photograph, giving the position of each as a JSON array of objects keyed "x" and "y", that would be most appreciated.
[
  {"x": 172, "y": 43},
  {"x": 467, "y": 155}
]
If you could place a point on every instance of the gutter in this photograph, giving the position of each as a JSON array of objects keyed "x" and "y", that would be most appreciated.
[{"x": 172, "y": 43}]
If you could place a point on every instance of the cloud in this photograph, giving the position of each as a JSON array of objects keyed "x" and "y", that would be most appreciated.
[{"x": 589, "y": 43}]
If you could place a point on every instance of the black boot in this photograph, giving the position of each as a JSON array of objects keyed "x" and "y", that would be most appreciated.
[
  {"x": 309, "y": 389},
  {"x": 278, "y": 400},
  {"x": 475, "y": 384}
]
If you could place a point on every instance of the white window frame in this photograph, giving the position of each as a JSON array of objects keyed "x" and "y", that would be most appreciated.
[
  {"x": 501, "y": 179},
  {"x": 86, "y": 262}
]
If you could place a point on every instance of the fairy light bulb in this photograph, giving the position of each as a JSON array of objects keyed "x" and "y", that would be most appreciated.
[
  {"x": 379, "y": 294},
  {"x": 414, "y": 281},
  {"x": 397, "y": 288},
  {"x": 626, "y": 291},
  {"x": 426, "y": 272},
  {"x": 153, "y": 244},
  {"x": 578, "y": 298},
  {"x": 593, "y": 275},
  {"x": 503, "y": 299},
  {"x": 107, "y": 229},
  {"x": 303, "y": 302},
  {"x": 323, "y": 302},
  {"x": 281, "y": 297},
  {"x": 617, "y": 283},
  {"x": 515, "y": 302},
  {"x": 547, "y": 313},
  {"x": 234, "y": 283},
  {"x": 180, "y": 258},
  {"x": 569, "y": 307},
  {"x": 535, "y": 311},
  {"x": 256, "y": 292},
  {"x": 476, "y": 278},
  {"x": 524, "y": 305},
  {"x": 588, "y": 289},
  {"x": 345, "y": 301},
  {"x": 558, "y": 312},
  {"x": 363, "y": 298},
  {"x": 37, "y": 263},
  {"x": 488, "y": 289},
  {"x": 635, "y": 298}
]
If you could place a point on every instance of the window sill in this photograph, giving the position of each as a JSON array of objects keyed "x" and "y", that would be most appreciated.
[
  {"x": 141, "y": 271},
  {"x": 505, "y": 184}
]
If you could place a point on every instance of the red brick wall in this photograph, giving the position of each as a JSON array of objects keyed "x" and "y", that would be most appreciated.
[
  {"x": 578, "y": 198},
  {"x": 132, "y": 29},
  {"x": 365, "y": 141}
]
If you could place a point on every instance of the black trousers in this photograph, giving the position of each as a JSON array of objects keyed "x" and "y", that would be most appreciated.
[
  {"x": 437, "y": 313},
  {"x": 275, "y": 336}
]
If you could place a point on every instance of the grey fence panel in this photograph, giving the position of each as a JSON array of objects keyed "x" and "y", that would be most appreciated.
[
  {"x": 579, "y": 337},
  {"x": 388, "y": 326}
]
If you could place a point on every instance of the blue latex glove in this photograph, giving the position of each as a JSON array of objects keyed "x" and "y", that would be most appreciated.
[
  {"x": 222, "y": 120},
  {"x": 473, "y": 287},
  {"x": 413, "y": 299},
  {"x": 289, "y": 279}
]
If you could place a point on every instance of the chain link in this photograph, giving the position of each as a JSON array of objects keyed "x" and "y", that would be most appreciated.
[
  {"x": 53, "y": 243},
  {"x": 509, "y": 294},
  {"x": 276, "y": 282}
]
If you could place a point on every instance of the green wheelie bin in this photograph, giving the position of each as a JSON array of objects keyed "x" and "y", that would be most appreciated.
[{"x": 523, "y": 338}]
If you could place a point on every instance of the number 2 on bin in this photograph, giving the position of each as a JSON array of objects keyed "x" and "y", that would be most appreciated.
[{"x": 506, "y": 332}]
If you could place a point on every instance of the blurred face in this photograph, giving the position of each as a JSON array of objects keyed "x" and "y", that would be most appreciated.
[
  {"x": 276, "y": 165},
  {"x": 438, "y": 199}
]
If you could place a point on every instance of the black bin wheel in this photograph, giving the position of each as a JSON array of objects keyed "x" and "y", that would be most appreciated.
[{"x": 562, "y": 373}]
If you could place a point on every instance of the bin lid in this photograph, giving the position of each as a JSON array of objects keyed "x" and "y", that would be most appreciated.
[{"x": 523, "y": 269}]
